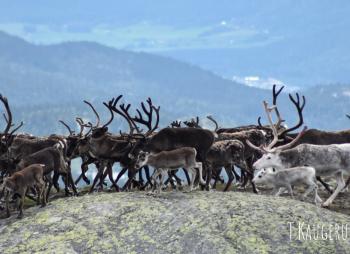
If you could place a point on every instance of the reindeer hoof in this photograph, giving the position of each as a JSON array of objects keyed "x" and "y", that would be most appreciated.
[
  {"x": 325, "y": 205},
  {"x": 20, "y": 216}
]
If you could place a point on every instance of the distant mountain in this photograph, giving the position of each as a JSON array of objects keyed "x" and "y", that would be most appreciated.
[
  {"x": 48, "y": 83},
  {"x": 302, "y": 44}
]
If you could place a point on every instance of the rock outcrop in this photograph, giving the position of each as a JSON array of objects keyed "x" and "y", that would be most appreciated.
[{"x": 174, "y": 222}]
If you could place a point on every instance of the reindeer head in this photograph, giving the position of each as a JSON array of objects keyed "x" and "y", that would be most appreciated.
[
  {"x": 7, "y": 185},
  {"x": 142, "y": 159},
  {"x": 264, "y": 175}
]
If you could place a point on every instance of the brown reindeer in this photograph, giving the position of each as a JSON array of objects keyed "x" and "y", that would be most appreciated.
[
  {"x": 19, "y": 183},
  {"x": 227, "y": 153},
  {"x": 53, "y": 159},
  {"x": 165, "y": 161}
]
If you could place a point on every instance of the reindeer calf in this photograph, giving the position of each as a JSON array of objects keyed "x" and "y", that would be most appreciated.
[
  {"x": 164, "y": 161},
  {"x": 286, "y": 178},
  {"x": 19, "y": 182}
]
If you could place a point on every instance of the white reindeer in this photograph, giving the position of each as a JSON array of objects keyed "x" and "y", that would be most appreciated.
[
  {"x": 286, "y": 178},
  {"x": 328, "y": 160}
]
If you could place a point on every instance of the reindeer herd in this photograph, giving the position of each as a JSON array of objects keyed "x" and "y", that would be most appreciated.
[{"x": 254, "y": 154}]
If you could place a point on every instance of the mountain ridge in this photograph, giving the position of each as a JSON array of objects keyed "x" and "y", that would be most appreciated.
[{"x": 50, "y": 83}]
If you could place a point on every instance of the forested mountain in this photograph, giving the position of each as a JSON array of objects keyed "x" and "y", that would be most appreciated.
[{"x": 48, "y": 83}]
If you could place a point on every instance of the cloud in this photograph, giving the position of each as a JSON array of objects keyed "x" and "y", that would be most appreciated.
[{"x": 263, "y": 83}]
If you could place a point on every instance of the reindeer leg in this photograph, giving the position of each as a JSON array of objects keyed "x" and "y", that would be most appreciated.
[
  {"x": 216, "y": 174},
  {"x": 70, "y": 179},
  {"x": 131, "y": 175},
  {"x": 66, "y": 181},
  {"x": 110, "y": 176},
  {"x": 161, "y": 177},
  {"x": 121, "y": 173},
  {"x": 167, "y": 181},
  {"x": 141, "y": 177},
  {"x": 238, "y": 178},
  {"x": 56, "y": 175},
  {"x": 193, "y": 174},
  {"x": 187, "y": 176},
  {"x": 99, "y": 173},
  {"x": 147, "y": 175},
  {"x": 347, "y": 182},
  {"x": 170, "y": 178},
  {"x": 209, "y": 175},
  {"x": 340, "y": 186},
  {"x": 84, "y": 168},
  {"x": 230, "y": 177},
  {"x": 48, "y": 191},
  {"x": 7, "y": 197},
  {"x": 21, "y": 202},
  {"x": 102, "y": 178},
  {"x": 177, "y": 179},
  {"x": 326, "y": 185},
  {"x": 43, "y": 198},
  {"x": 255, "y": 190}
]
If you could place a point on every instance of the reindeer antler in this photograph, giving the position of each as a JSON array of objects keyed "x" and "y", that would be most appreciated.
[
  {"x": 67, "y": 126},
  {"x": 8, "y": 118},
  {"x": 113, "y": 106},
  {"x": 95, "y": 112},
  {"x": 214, "y": 121},
  {"x": 149, "y": 114},
  {"x": 300, "y": 107}
]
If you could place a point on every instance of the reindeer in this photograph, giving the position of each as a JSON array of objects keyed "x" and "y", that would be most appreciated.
[
  {"x": 103, "y": 146},
  {"x": 54, "y": 161},
  {"x": 20, "y": 182},
  {"x": 226, "y": 153},
  {"x": 107, "y": 148},
  {"x": 172, "y": 138},
  {"x": 328, "y": 160},
  {"x": 171, "y": 160},
  {"x": 286, "y": 178}
]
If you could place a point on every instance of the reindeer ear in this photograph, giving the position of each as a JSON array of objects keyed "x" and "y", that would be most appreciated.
[{"x": 273, "y": 169}]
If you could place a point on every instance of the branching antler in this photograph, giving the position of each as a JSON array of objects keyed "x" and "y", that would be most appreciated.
[
  {"x": 8, "y": 119},
  {"x": 83, "y": 126},
  {"x": 272, "y": 126},
  {"x": 299, "y": 104},
  {"x": 275, "y": 95},
  {"x": 112, "y": 105},
  {"x": 149, "y": 114},
  {"x": 194, "y": 123},
  {"x": 125, "y": 110},
  {"x": 175, "y": 124},
  {"x": 269, "y": 148}
]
